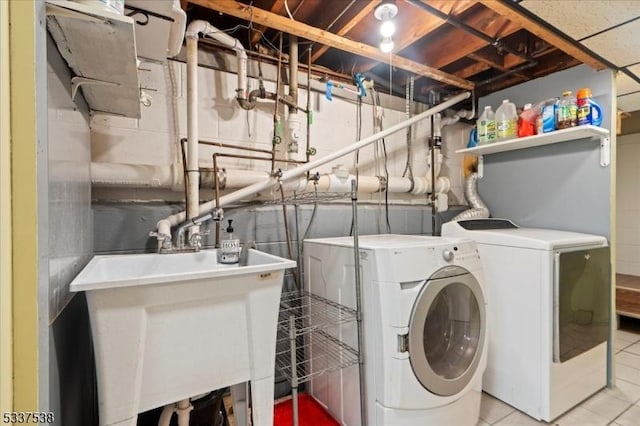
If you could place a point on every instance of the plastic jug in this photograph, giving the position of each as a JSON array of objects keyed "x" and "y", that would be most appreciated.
[
  {"x": 589, "y": 111},
  {"x": 526, "y": 126},
  {"x": 486, "y": 125},
  {"x": 506, "y": 120},
  {"x": 566, "y": 111}
]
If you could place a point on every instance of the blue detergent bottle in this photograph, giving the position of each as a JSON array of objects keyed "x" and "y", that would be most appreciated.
[{"x": 589, "y": 111}]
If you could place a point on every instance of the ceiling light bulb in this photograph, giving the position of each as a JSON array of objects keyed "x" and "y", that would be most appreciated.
[
  {"x": 386, "y": 44},
  {"x": 387, "y": 29}
]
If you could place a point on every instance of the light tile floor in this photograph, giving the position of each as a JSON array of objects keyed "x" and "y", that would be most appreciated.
[{"x": 617, "y": 407}]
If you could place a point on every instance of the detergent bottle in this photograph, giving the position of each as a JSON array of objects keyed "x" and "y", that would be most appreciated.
[
  {"x": 486, "y": 126},
  {"x": 506, "y": 121},
  {"x": 589, "y": 111}
]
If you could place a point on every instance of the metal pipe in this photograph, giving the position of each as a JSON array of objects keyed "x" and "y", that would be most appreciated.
[
  {"x": 359, "y": 313},
  {"x": 506, "y": 73},
  {"x": 494, "y": 41},
  {"x": 227, "y": 145},
  {"x": 276, "y": 120},
  {"x": 216, "y": 187},
  {"x": 309, "y": 113},
  {"x": 165, "y": 224},
  {"x": 294, "y": 368},
  {"x": 250, "y": 157},
  {"x": 193, "y": 199}
]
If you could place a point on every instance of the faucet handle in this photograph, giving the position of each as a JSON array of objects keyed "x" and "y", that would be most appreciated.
[{"x": 163, "y": 239}]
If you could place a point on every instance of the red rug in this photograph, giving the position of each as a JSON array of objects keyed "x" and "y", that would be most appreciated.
[{"x": 310, "y": 413}]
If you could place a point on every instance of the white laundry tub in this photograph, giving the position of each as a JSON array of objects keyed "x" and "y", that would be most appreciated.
[{"x": 167, "y": 327}]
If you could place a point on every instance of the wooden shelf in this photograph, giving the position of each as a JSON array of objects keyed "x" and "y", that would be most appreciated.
[
  {"x": 100, "y": 49},
  {"x": 564, "y": 135}
]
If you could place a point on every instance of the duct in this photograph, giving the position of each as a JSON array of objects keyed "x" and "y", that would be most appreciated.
[
  {"x": 479, "y": 209},
  {"x": 164, "y": 225}
]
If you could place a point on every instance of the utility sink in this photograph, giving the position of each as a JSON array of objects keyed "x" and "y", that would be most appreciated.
[{"x": 167, "y": 327}]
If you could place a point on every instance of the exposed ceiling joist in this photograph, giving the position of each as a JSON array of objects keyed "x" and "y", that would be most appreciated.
[
  {"x": 280, "y": 23},
  {"x": 259, "y": 30},
  {"x": 366, "y": 10},
  {"x": 544, "y": 33},
  {"x": 422, "y": 23}
]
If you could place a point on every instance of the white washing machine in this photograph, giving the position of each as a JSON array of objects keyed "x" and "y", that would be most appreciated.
[
  {"x": 425, "y": 328},
  {"x": 549, "y": 315}
]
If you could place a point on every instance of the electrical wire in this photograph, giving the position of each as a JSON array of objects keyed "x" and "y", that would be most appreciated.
[
  {"x": 386, "y": 171},
  {"x": 287, "y": 235},
  {"x": 286, "y": 6}
]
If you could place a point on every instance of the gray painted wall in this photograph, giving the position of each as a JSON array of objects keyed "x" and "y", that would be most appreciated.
[{"x": 559, "y": 186}]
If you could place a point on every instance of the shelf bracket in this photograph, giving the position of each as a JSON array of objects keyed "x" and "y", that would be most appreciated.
[
  {"x": 605, "y": 151},
  {"x": 76, "y": 82},
  {"x": 480, "y": 166}
]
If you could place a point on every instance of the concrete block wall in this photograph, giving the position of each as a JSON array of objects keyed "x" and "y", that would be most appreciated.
[{"x": 153, "y": 139}]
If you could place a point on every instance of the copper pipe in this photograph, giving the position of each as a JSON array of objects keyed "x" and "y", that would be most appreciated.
[
  {"x": 226, "y": 145},
  {"x": 249, "y": 157}
]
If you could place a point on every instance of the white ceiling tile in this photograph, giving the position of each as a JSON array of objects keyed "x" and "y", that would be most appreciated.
[
  {"x": 629, "y": 103},
  {"x": 625, "y": 84},
  {"x": 635, "y": 69},
  {"x": 621, "y": 46},
  {"x": 581, "y": 18}
]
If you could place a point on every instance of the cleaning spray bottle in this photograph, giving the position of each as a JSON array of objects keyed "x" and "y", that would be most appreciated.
[{"x": 229, "y": 251}]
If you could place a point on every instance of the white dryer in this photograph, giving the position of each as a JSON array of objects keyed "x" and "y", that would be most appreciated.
[
  {"x": 549, "y": 316},
  {"x": 425, "y": 328}
]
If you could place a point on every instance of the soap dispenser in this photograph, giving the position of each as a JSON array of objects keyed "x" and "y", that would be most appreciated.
[{"x": 229, "y": 251}]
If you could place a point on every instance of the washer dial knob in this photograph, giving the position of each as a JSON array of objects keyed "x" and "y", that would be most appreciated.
[{"x": 447, "y": 255}]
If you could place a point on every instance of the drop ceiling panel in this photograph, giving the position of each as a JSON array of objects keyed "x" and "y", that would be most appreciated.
[
  {"x": 625, "y": 84},
  {"x": 635, "y": 69},
  {"x": 581, "y": 18},
  {"x": 621, "y": 46},
  {"x": 629, "y": 103}
]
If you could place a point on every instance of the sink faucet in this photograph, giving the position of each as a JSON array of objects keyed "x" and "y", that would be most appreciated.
[
  {"x": 195, "y": 240},
  {"x": 244, "y": 253}
]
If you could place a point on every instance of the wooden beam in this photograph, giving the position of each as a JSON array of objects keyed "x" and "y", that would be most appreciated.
[
  {"x": 455, "y": 44},
  {"x": 544, "y": 33},
  {"x": 260, "y": 29},
  {"x": 419, "y": 23},
  {"x": 308, "y": 32},
  {"x": 494, "y": 60},
  {"x": 365, "y": 11},
  {"x": 472, "y": 69}
]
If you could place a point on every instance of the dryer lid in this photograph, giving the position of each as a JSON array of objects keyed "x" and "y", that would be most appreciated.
[{"x": 498, "y": 232}]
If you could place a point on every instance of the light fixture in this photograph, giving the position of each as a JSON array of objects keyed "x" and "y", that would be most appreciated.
[
  {"x": 387, "y": 29},
  {"x": 385, "y": 12},
  {"x": 386, "y": 44}
]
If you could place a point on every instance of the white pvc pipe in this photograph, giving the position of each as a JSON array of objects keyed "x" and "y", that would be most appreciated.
[
  {"x": 206, "y": 29},
  {"x": 183, "y": 409},
  {"x": 164, "y": 225},
  {"x": 134, "y": 175},
  {"x": 167, "y": 413}
]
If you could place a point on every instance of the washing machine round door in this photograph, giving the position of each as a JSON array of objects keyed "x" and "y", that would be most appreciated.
[{"x": 447, "y": 331}]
